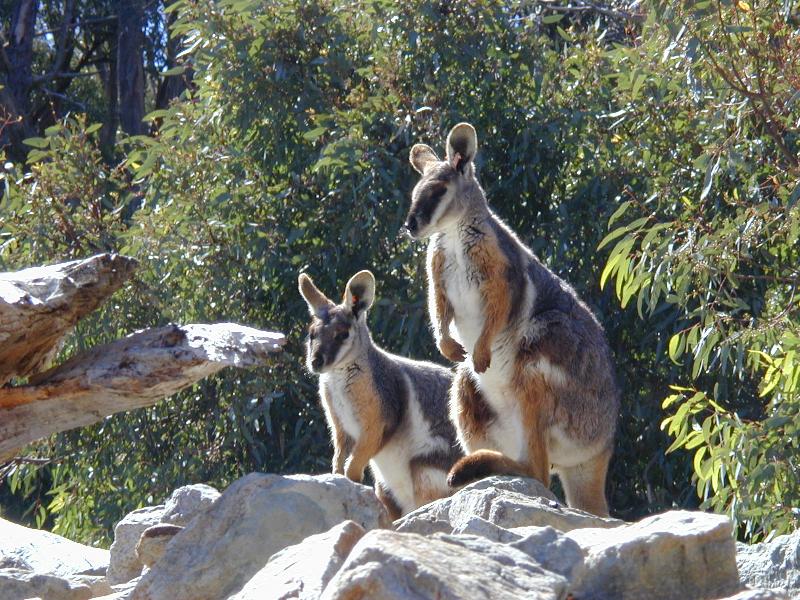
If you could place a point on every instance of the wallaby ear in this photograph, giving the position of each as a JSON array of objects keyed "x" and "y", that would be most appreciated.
[
  {"x": 316, "y": 300},
  {"x": 360, "y": 292},
  {"x": 421, "y": 157},
  {"x": 462, "y": 144}
]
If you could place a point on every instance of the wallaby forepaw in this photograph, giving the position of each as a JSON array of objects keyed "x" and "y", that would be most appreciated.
[
  {"x": 481, "y": 360},
  {"x": 452, "y": 350}
]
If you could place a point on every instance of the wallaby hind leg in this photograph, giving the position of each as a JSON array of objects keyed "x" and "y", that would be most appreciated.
[
  {"x": 470, "y": 412},
  {"x": 585, "y": 485}
]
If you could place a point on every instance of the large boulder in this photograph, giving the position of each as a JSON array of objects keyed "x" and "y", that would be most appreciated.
[
  {"x": 125, "y": 563},
  {"x": 187, "y": 502},
  {"x": 181, "y": 507},
  {"x": 759, "y": 595},
  {"x": 507, "y": 502},
  {"x": 386, "y": 565},
  {"x": 675, "y": 555},
  {"x": 774, "y": 564},
  {"x": 302, "y": 571},
  {"x": 44, "y": 552},
  {"x": 225, "y": 546},
  {"x": 36, "y": 563},
  {"x": 18, "y": 584},
  {"x": 153, "y": 543}
]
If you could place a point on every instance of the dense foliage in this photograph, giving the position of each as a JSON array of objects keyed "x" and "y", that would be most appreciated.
[
  {"x": 709, "y": 244},
  {"x": 289, "y": 153}
]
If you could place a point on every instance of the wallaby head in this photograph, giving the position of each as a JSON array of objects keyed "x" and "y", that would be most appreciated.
[
  {"x": 448, "y": 188},
  {"x": 337, "y": 332}
]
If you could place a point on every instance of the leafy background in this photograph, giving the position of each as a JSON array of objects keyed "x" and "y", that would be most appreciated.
[{"x": 647, "y": 153}]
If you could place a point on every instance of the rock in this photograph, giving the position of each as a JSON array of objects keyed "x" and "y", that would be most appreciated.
[
  {"x": 227, "y": 544},
  {"x": 181, "y": 507},
  {"x": 44, "y": 552},
  {"x": 504, "y": 501},
  {"x": 759, "y": 595},
  {"x": 774, "y": 564},
  {"x": 123, "y": 591},
  {"x": 302, "y": 571},
  {"x": 125, "y": 564},
  {"x": 675, "y": 555},
  {"x": 19, "y": 584},
  {"x": 153, "y": 542},
  {"x": 188, "y": 501},
  {"x": 388, "y": 565},
  {"x": 545, "y": 545}
]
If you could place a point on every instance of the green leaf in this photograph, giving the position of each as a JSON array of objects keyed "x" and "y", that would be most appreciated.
[
  {"x": 36, "y": 142},
  {"x": 314, "y": 134}
]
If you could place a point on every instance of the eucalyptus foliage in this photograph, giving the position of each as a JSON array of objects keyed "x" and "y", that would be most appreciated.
[{"x": 707, "y": 238}]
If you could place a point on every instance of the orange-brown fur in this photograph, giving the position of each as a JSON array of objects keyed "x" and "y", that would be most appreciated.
[
  {"x": 537, "y": 410},
  {"x": 364, "y": 397},
  {"x": 469, "y": 411},
  {"x": 492, "y": 265},
  {"x": 449, "y": 348}
]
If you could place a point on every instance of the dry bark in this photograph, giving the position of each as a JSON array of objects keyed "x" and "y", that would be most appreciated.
[
  {"x": 132, "y": 372},
  {"x": 39, "y": 306}
]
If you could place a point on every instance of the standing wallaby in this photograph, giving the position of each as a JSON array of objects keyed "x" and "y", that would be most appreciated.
[
  {"x": 536, "y": 390},
  {"x": 382, "y": 409}
]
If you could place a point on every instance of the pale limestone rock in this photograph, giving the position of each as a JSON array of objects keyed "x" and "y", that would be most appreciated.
[
  {"x": 187, "y": 501},
  {"x": 774, "y": 564},
  {"x": 153, "y": 542},
  {"x": 226, "y": 545},
  {"x": 125, "y": 564},
  {"x": 181, "y": 507},
  {"x": 302, "y": 571},
  {"x": 675, "y": 555},
  {"x": 19, "y": 584},
  {"x": 759, "y": 595},
  {"x": 547, "y": 546},
  {"x": 44, "y": 552},
  {"x": 503, "y": 501},
  {"x": 387, "y": 565}
]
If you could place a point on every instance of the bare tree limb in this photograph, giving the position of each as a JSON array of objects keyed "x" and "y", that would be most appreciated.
[
  {"x": 130, "y": 373},
  {"x": 39, "y": 306},
  {"x": 579, "y": 6}
]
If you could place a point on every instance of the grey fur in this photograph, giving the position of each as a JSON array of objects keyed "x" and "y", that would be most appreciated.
[{"x": 389, "y": 375}]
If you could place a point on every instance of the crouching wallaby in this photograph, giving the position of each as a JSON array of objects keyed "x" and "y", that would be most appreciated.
[
  {"x": 382, "y": 409},
  {"x": 536, "y": 391}
]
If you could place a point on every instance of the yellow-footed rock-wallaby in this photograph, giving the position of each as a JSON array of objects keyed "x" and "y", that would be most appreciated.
[
  {"x": 535, "y": 391},
  {"x": 381, "y": 409}
]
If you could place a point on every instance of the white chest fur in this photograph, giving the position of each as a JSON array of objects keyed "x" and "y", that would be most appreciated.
[
  {"x": 462, "y": 289},
  {"x": 340, "y": 402}
]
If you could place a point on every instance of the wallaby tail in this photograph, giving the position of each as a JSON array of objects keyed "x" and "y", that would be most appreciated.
[{"x": 484, "y": 463}]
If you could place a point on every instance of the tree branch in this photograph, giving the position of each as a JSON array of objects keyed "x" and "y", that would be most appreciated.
[{"x": 132, "y": 372}]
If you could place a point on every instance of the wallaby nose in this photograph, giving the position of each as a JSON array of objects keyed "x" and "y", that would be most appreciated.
[
  {"x": 316, "y": 362},
  {"x": 411, "y": 224}
]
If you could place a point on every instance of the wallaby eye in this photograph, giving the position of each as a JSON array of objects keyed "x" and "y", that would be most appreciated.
[{"x": 340, "y": 337}]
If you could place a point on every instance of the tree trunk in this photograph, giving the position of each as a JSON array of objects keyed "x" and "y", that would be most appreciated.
[
  {"x": 108, "y": 134},
  {"x": 133, "y": 372},
  {"x": 18, "y": 59},
  {"x": 172, "y": 86},
  {"x": 130, "y": 69}
]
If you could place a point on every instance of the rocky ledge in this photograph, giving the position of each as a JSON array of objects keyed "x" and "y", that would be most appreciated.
[{"x": 302, "y": 536}]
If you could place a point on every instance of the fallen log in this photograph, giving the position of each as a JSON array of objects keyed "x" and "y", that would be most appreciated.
[
  {"x": 39, "y": 306},
  {"x": 133, "y": 372}
]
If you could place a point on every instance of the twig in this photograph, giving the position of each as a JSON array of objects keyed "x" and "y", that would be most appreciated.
[{"x": 580, "y": 6}]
